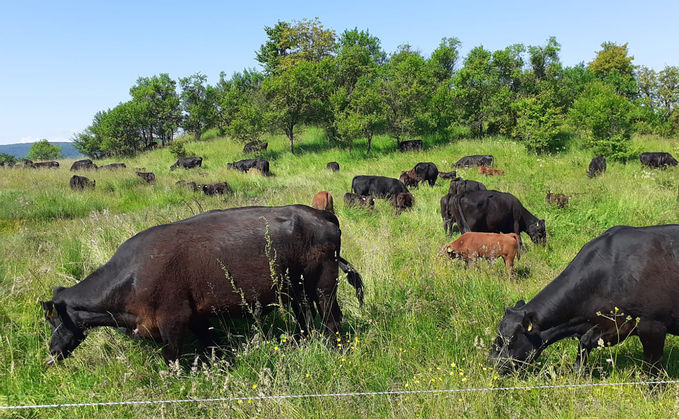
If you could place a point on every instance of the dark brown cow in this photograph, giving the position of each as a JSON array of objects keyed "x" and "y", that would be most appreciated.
[
  {"x": 255, "y": 146},
  {"x": 149, "y": 177},
  {"x": 471, "y": 246},
  {"x": 215, "y": 188},
  {"x": 333, "y": 166},
  {"x": 490, "y": 171},
  {"x": 81, "y": 182},
  {"x": 353, "y": 199},
  {"x": 323, "y": 201},
  {"x": 410, "y": 145},
  {"x": 175, "y": 277},
  {"x": 448, "y": 175},
  {"x": 85, "y": 164},
  {"x": 409, "y": 178},
  {"x": 115, "y": 166},
  {"x": 46, "y": 165},
  {"x": 403, "y": 201}
]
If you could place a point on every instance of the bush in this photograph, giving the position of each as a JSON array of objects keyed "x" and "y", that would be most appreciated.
[
  {"x": 177, "y": 149},
  {"x": 538, "y": 123}
]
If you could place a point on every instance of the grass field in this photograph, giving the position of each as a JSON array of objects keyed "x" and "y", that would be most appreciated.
[{"x": 427, "y": 323}]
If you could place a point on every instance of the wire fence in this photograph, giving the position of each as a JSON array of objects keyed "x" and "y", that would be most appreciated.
[{"x": 327, "y": 395}]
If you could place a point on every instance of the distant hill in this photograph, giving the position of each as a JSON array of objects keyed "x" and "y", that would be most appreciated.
[{"x": 21, "y": 150}]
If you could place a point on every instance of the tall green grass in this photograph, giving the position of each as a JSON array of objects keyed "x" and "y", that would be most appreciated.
[{"x": 427, "y": 324}]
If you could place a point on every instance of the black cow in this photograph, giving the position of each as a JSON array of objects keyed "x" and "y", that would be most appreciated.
[
  {"x": 448, "y": 175},
  {"x": 157, "y": 286},
  {"x": 352, "y": 199},
  {"x": 377, "y": 186},
  {"x": 476, "y": 160},
  {"x": 661, "y": 160},
  {"x": 247, "y": 164},
  {"x": 149, "y": 177},
  {"x": 187, "y": 163},
  {"x": 332, "y": 166},
  {"x": 85, "y": 164},
  {"x": 255, "y": 146},
  {"x": 81, "y": 182},
  {"x": 46, "y": 165},
  {"x": 622, "y": 283},
  {"x": 114, "y": 166},
  {"x": 597, "y": 166},
  {"x": 426, "y": 172},
  {"x": 457, "y": 186},
  {"x": 496, "y": 212},
  {"x": 410, "y": 145},
  {"x": 215, "y": 188}
]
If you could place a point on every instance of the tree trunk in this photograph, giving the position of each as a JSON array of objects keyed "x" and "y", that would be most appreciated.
[{"x": 370, "y": 141}]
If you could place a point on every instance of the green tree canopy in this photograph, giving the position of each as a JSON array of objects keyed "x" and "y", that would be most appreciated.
[
  {"x": 197, "y": 103},
  {"x": 43, "y": 150}
]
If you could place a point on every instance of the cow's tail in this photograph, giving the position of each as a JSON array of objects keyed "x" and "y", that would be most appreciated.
[
  {"x": 353, "y": 277},
  {"x": 464, "y": 228},
  {"x": 518, "y": 245}
]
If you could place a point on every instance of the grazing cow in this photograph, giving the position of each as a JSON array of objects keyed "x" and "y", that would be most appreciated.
[
  {"x": 471, "y": 246},
  {"x": 152, "y": 146},
  {"x": 25, "y": 163},
  {"x": 410, "y": 145},
  {"x": 323, "y": 201},
  {"x": 190, "y": 185},
  {"x": 489, "y": 171},
  {"x": 378, "y": 186},
  {"x": 661, "y": 160},
  {"x": 215, "y": 188},
  {"x": 448, "y": 175},
  {"x": 187, "y": 163},
  {"x": 46, "y": 165},
  {"x": 247, "y": 164},
  {"x": 622, "y": 283},
  {"x": 496, "y": 212},
  {"x": 255, "y": 146},
  {"x": 85, "y": 164},
  {"x": 115, "y": 166},
  {"x": 352, "y": 199},
  {"x": 158, "y": 286},
  {"x": 597, "y": 166},
  {"x": 459, "y": 186},
  {"x": 403, "y": 201},
  {"x": 476, "y": 160},
  {"x": 409, "y": 178},
  {"x": 332, "y": 166},
  {"x": 426, "y": 172},
  {"x": 149, "y": 177},
  {"x": 559, "y": 199},
  {"x": 81, "y": 182}
]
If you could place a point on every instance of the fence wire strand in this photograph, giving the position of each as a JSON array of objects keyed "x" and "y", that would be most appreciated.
[{"x": 354, "y": 394}]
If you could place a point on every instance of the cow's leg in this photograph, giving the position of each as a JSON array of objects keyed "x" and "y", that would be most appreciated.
[
  {"x": 206, "y": 334},
  {"x": 652, "y": 337},
  {"x": 509, "y": 263},
  {"x": 172, "y": 323},
  {"x": 331, "y": 315}
]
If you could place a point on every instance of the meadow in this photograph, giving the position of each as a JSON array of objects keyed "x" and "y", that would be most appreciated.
[{"x": 427, "y": 323}]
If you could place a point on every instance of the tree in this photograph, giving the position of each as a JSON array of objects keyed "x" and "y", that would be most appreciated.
[
  {"x": 354, "y": 38},
  {"x": 364, "y": 113},
  {"x": 159, "y": 107},
  {"x": 7, "y": 158},
  {"x": 605, "y": 118},
  {"x": 544, "y": 58},
  {"x": 538, "y": 122},
  {"x": 197, "y": 103},
  {"x": 475, "y": 84},
  {"x": 240, "y": 106},
  {"x": 444, "y": 59},
  {"x": 43, "y": 150},
  {"x": 613, "y": 65},
  {"x": 275, "y": 48}
]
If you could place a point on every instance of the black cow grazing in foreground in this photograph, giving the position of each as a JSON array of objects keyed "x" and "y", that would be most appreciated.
[
  {"x": 661, "y": 160},
  {"x": 597, "y": 166},
  {"x": 496, "y": 212},
  {"x": 81, "y": 182},
  {"x": 255, "y": 146},
  {"x": 158, "y": 287},
  {"x": 85, "y": 164},
  {"x": 377, "y": 186},
  {"x": 448, "y": 175},
  {"x": 352, "y": 199},
  {"x": 410, "y": 145},
  {"x": 46, "y": 165},
  {"x": 477, "y": 160},
  {"x": 624, "y": 282},
  {"x": 149, "y": 177},
  {"x": 187, "y": 163},
  {"x": 247, "y": 164},
  {"x": 115, "y": 166},
  {"x": 215, "y": 188},
  {"x": 332, "y": 166}
]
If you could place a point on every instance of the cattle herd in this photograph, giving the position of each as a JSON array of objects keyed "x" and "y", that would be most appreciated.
[{"x": 292, "y": 253}]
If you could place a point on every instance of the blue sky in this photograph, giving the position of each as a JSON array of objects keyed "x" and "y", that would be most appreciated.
[{"x": 61, "y": 62}]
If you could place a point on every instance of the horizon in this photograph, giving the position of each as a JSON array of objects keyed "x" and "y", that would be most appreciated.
[{"x": 78, "y": 60}]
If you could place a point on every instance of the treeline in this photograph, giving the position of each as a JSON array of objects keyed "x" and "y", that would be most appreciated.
[{"x": 353, "y": 89}]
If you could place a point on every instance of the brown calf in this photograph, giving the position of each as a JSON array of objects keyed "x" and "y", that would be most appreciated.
[
  {"x": 471, "y": 246},
  {"x": 323, "y": 201},
  {"x": 490, "y": 171},
  {"x": 149, "y": 177},
  {"x": 403, "y": 201},
  {"x": 409, "y": 178},
  {"x": 559, "y": 199}
]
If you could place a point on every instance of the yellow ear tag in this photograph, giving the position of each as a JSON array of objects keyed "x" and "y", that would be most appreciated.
[
  {"x": 530, "y": 327},
  {"x": 53, "y": 312},
  {"x": 449, "y": 250}
]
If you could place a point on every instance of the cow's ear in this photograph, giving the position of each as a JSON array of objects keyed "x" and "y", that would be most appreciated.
[
  {"x": 50, "y": 309},
  {"x": 520, "y": 304},
  {"x": 528, "y": 322}
]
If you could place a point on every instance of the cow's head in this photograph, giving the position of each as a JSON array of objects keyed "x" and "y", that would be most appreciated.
[
  {"x": 538, "y": 232},
  {"x": 66, "y": 335},
  {"x": 518, "y": 342}
]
